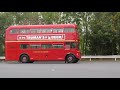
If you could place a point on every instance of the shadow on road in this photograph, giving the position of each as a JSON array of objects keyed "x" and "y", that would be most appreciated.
[{"x": 37, "y": 62}]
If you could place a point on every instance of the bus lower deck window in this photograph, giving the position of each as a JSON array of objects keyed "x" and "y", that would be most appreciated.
[
  {"x": 35, "y": 46},
  {"x": 44, "y": 46},
  {"x": 24, "y": 46},
  {"x": 57, "y": 45},
  {"x": 70, "y": 45},
  {"x": 73, "y": 45},
  {"x": 67, "y": 45}
]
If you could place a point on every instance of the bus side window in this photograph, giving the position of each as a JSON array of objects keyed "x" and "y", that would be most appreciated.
[
  {"x": 67, "y": 45},
  {"x": 14, "y": 31},
  {"x": 34, "y": 46},
  {"x": 24, "y": 46},
  {"x": 57, "y": 45},
  {"x": 73, "y": 45},
  {"x": 70, "y": 45},
  {"x": 45, "y": 46}
]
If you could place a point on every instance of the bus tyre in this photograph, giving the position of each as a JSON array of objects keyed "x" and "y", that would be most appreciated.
[
  {"x": 71, "y": 59},
  {"x": 24, "y": 59},
  {"x": 76, "y": 60}
]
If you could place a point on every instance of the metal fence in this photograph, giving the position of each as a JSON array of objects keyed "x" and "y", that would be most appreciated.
[
  {"x": 101, "y": 57},
  {"x": 2, "y": 57}
]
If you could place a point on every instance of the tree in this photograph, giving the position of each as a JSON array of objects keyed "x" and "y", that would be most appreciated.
[{"x": 104, "y": 36}]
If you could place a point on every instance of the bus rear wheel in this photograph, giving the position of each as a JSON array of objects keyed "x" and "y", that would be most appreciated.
[
  {"x": 24, "y": 59},
  {"x": 71, "y": 59}
]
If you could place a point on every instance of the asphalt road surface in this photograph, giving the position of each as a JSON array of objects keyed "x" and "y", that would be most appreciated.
[{"x": 59, "y": 69}]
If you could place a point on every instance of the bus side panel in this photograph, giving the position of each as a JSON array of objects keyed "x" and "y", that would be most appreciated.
[
  {"x": 56, "y": 54},
  {"x": 11, "y": 51}
]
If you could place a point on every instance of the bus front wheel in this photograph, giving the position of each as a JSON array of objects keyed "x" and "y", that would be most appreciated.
[
  {"x": 24, "y": 59},
  {"x": 71, "y": 59}
]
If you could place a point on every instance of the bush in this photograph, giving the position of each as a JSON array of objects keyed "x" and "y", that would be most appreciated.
[{"x": 2, "y": 51}]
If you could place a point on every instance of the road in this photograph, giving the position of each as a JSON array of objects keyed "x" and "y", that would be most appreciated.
[{"x": 59, "y": 69}]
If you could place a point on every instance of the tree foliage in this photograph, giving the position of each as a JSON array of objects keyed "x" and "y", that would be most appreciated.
[{"x": 99, "y": 31}]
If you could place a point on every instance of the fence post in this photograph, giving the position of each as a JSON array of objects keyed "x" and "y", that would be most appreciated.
[
  {"x": 90, "y": 59},
  {"x": 115, "y": 59}
]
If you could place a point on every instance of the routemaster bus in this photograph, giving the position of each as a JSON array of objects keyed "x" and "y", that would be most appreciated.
[{"x": 29, "y": 43}]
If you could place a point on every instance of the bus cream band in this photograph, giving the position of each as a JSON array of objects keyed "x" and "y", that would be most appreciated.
[
  {"x": 41, "y": 37},
  {"x": 45, "y": 41}
]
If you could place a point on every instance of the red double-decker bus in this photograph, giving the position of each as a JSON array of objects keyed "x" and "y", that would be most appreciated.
[{"x": 29, "y": 43}]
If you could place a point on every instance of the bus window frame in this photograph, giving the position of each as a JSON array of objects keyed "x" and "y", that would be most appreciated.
[
  {"x": 58, "y": 44},
  {"x": 46, "y": 48},
  {"x": 24, "y": 48},
  {"x": 34, "y": 48}
]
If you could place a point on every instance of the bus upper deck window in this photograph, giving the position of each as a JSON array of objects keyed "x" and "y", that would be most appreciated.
[
  {"x": 69, "y": 29},
  {"x": 14, "y": 31},
  {"x": 57, "y": 30},
  {"x": 24, "y": 31}
]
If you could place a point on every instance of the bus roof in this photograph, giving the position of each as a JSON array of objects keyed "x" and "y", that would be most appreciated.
[{"x": 44, "y": 26}]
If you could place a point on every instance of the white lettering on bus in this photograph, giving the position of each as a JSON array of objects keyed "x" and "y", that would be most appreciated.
[{"x": 41, "y": 37}]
